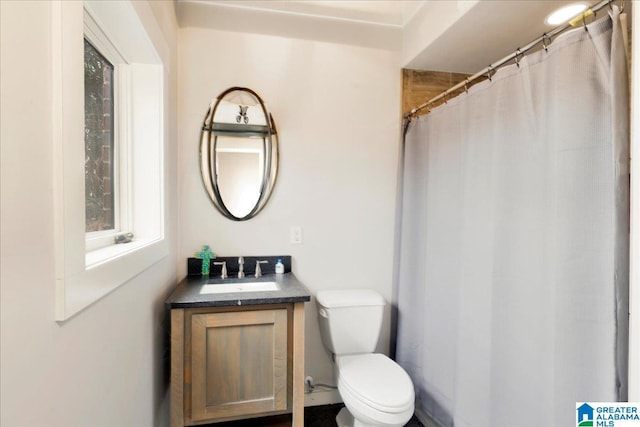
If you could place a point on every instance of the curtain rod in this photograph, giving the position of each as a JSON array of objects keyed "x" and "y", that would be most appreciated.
[{"x": 489, "y": 71}]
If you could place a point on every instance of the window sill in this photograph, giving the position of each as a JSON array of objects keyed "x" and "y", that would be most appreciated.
[
  {"x": 107, "y": 269},
  {"x": 98, "y": 257}
]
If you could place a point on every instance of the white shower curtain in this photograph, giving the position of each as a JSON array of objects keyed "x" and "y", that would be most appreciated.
[{"x": 512, "y": 286}]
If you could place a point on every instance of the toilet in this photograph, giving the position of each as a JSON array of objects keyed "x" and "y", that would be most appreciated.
[{"x": 375, "y": 390}]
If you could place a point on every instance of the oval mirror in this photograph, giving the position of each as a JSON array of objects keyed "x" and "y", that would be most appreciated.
[{"x": 239, "y": 153}]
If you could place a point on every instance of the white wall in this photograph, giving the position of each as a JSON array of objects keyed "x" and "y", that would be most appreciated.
[
  {"x": 106, "y": 365},
  {"x": 337, "y": 109},
  {"x": 634, "y": 276}
]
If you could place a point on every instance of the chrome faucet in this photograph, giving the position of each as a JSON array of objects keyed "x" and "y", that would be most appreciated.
[
  {"x": 240, "y": 267},
  {"x": 258, "y": 271},
  {"x": 224, "y": 269}
]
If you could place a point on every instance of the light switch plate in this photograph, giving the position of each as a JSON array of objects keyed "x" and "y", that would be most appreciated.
[{"x": 295, "y": 235}]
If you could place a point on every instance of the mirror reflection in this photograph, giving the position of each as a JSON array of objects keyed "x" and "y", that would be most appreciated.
[{"x": 238, "y": 153}]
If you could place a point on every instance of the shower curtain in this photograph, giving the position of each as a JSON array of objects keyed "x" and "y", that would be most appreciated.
[{"x": 512, "y": 281}]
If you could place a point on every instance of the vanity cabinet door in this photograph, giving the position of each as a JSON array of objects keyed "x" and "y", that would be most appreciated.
[{"x": 238, "y": 363}]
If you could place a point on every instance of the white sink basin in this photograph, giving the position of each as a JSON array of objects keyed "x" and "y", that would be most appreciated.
[{"x": 239, "y": 287}]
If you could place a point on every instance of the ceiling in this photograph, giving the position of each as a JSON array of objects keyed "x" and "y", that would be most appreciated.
[
  {"x": 440, "y": 35},
  {"x": 378, "y": 12},
  {"x": 487, "y": 32}
]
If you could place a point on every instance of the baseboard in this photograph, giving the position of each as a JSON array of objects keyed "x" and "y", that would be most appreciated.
[
  {"x": 322, "y": 397},
  {"x": 425, "y": 419}
]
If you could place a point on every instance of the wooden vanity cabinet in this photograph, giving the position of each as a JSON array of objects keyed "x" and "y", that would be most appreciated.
[{"x": 231, "y": 363}]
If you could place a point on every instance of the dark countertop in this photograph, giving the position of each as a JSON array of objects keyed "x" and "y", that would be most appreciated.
[{"x": 187, "y": 293}]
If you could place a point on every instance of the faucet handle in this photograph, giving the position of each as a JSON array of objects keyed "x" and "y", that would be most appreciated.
[
  {"x": 258, "y": 270},
  {"x": 240, "y": 267},
  {"x": 224, "y": 269}
]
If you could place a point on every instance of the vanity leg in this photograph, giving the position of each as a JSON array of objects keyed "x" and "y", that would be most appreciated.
[
  {"x": 177, "y": 368},
  {"x": 298, "y": 365}
]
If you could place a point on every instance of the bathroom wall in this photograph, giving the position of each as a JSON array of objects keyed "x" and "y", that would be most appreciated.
[
  {"x": 634, "y": 277},
  {"x": 337, "y": 109},
  {"x": 106, "y": 365}
]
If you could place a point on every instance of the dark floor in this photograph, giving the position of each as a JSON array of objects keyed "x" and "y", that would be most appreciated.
[
  {"x": 325, "y": 416},
  {"x": 314, "y": 416}
]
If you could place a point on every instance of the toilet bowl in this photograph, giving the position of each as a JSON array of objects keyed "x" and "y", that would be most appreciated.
[{"x": 376, "y": 391}]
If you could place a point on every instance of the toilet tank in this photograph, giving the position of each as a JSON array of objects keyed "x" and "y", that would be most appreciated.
[{"x": 350, "y": 320}]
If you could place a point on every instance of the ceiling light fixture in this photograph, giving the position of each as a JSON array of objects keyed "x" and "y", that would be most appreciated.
[{"x": 565, "y": 13}]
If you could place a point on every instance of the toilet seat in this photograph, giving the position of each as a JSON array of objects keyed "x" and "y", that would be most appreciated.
[{"x": 376, "y": 382}]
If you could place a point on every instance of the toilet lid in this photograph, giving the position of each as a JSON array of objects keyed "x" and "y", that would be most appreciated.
[{"x": 377, "y": 381}]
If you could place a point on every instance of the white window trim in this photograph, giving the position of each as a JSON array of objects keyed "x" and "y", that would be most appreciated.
[{"x": 83, "y": 277}]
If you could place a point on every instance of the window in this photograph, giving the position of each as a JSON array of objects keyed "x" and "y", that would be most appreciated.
[
  {"x": 99, "y": 141},
  {"x": 108, "y": 93},
  {"x": 106, "y": 138}
]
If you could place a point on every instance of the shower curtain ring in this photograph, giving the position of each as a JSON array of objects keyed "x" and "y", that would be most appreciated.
[
  {"x": 584, "y": 21},
  {"x": 621, "y": 6},
  {"x": 489, "y": 70},
  {"x": 546, "y": 41},
  {"x": 466, "y": 85},
  {"x": 518, "y": 57}
]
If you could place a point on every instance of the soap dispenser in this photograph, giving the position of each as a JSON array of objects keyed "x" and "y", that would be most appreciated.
[{"x": 279, "y": 267}]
